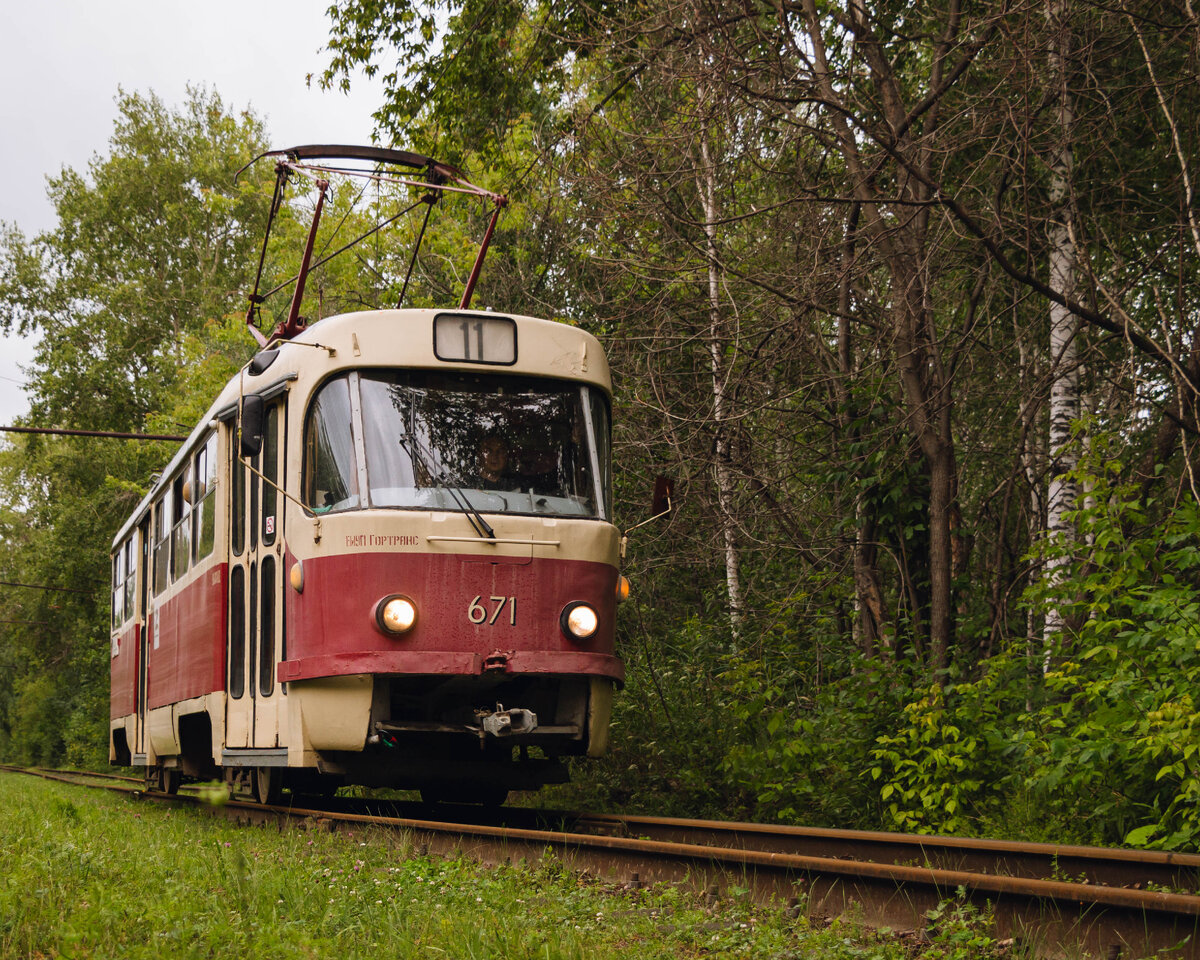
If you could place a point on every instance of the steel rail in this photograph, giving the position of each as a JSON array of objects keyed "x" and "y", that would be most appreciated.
[
  {"x": 1050, "y": 914},
  {"x": 1106, "y": 866}
]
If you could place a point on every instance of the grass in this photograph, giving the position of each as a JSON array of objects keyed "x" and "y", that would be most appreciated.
[{"x": 91, "y": 874}]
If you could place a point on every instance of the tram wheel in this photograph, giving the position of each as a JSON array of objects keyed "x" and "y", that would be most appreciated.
[
  {"x": 163, "y": 780},
  {"x": 170, "y": 779},
  {"x": 268, "y": 785}
]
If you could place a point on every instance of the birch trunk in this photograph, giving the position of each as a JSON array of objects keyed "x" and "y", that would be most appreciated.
[
  {"x": 1064, "y": 349},
  {"x": 716, "y": 346}
]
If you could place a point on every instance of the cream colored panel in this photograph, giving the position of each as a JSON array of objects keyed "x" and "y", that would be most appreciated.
[
  {"x": 215, "y": 705},
  {"x": 300, "y": 752},
  {"x": 195, "y": 705},
  {"x": 163, "y": 737},
  {"x": 237, "y": 721},
  {"x": 577, "y": 539},
  {"x": 334, "y": 712},
  {"x": 267, "y": 714},
  {"x": 127, "y": 726},
  {"x": 600, "y": 703},
  {"x": 422, "y": 532}
]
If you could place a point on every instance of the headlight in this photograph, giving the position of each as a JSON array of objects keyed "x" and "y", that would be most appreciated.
[
  {"x": 578, "y": 620},
  {"x": 395, "y": 614}
]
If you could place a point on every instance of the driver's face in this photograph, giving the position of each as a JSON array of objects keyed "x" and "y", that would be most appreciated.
[{"x": 494, "y": 454}]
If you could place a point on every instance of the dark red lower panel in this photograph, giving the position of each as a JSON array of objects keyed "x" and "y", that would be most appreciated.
[
  {"x": 472, "y": 615},
  {"x": 122, "y": 670},
  {"x": 189, "y": 659}
]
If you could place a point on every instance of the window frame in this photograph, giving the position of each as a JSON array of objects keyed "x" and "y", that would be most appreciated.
[
  {"x": 161, "y": 544},
  {"x": 124, "y": 582},
  {"x": 130, "y": 583},
  {"x": 203, "y": 513},
  {"x": 353, "y": 475},
  {"x": 181, "y": 519},
  {"x": 117, "y": 603},
  {"x": 594, "y": 408}
]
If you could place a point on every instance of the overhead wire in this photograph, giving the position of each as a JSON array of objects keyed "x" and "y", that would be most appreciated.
[
  {"x": 114, "y": 434},
  {"x": 39, "y": 586}
]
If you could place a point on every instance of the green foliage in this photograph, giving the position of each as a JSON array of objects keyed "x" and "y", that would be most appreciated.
[
  {"x": 960, "y": 931},
  {"x": 945, "y": 768},
  {"x": 464, "y": 72},
  {"x": 803, "y": 754},
  {"x": 1119, "y": 731},
  {"x": 130, "y": 296},
  {"x": 35, "y": 736},
  {"x": 152, "y": 241},
  {"x": 1104, "y": 745},
  {"x": 669, "y": 723}
]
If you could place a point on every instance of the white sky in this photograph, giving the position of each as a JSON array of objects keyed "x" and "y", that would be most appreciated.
[{"x": 61, "y": 62}]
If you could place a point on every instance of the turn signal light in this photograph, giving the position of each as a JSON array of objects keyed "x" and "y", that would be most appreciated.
[{"x": 622, "y": 588}]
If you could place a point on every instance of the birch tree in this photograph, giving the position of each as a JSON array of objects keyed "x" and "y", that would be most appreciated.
[{"x": 1064, "y": 332}]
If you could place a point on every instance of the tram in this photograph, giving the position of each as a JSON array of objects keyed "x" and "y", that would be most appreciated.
[{"x": 384, "y": 556}]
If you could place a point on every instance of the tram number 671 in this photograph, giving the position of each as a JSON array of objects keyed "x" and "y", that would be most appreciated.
[{"x": 478, "y": 613}]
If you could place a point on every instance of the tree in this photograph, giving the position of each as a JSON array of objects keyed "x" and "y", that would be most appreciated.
[
  {"x": 1064, "y": 334},
  {"x": 131, "y": 295},
  {"x": 154, "y": 240}
]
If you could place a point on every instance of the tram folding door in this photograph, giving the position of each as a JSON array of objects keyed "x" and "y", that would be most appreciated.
[
  {"x": 256, "y": 547},
  {"x": 143, "y": 636}
]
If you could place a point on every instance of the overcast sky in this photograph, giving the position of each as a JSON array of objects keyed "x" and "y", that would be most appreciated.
[{"x": 61, "y": 62}]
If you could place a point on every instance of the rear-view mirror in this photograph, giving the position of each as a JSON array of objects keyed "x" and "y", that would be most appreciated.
[
  {"x": 253, "y": 412},
  {"x": 663, "y": 497}
]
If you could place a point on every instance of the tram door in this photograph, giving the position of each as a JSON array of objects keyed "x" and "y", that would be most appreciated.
[
  {"x": 143, "y": 623},
  {"x": 253, "y": 710}
]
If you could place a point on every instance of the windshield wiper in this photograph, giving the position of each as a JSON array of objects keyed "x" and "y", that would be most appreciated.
[{"x": 474, "y": 517}]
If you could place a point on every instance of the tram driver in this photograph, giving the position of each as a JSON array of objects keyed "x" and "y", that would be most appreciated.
[{"x": 492, "y": 469}]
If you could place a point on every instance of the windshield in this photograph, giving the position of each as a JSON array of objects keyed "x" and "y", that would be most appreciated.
[{"x": 438, "y": 440}]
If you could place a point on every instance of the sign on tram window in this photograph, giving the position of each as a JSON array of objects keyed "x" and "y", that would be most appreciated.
[{"x": 474, "y": 338}]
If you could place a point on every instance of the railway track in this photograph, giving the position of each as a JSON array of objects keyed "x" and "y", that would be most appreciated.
[{"x": 1110, "y": 902}]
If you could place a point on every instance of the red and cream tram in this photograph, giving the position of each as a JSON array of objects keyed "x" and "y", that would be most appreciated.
[{"x": 385, "y": 556}]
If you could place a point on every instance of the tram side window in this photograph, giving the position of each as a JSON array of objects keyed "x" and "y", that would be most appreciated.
[
  {"x": 162, "y": 550},
  {"x": 330, "y": 466},
  {"x": 118, "y": 588},
  {"x": 124, "y": 579},
  {"x": 130, "y": 577},
  {"x": 204, "y": 515},
  {"x": 181, "y": 525},
  {"x": 603, "y": 436}
]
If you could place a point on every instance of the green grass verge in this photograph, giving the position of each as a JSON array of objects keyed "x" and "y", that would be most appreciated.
[{"x": 90, "y": 874}]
